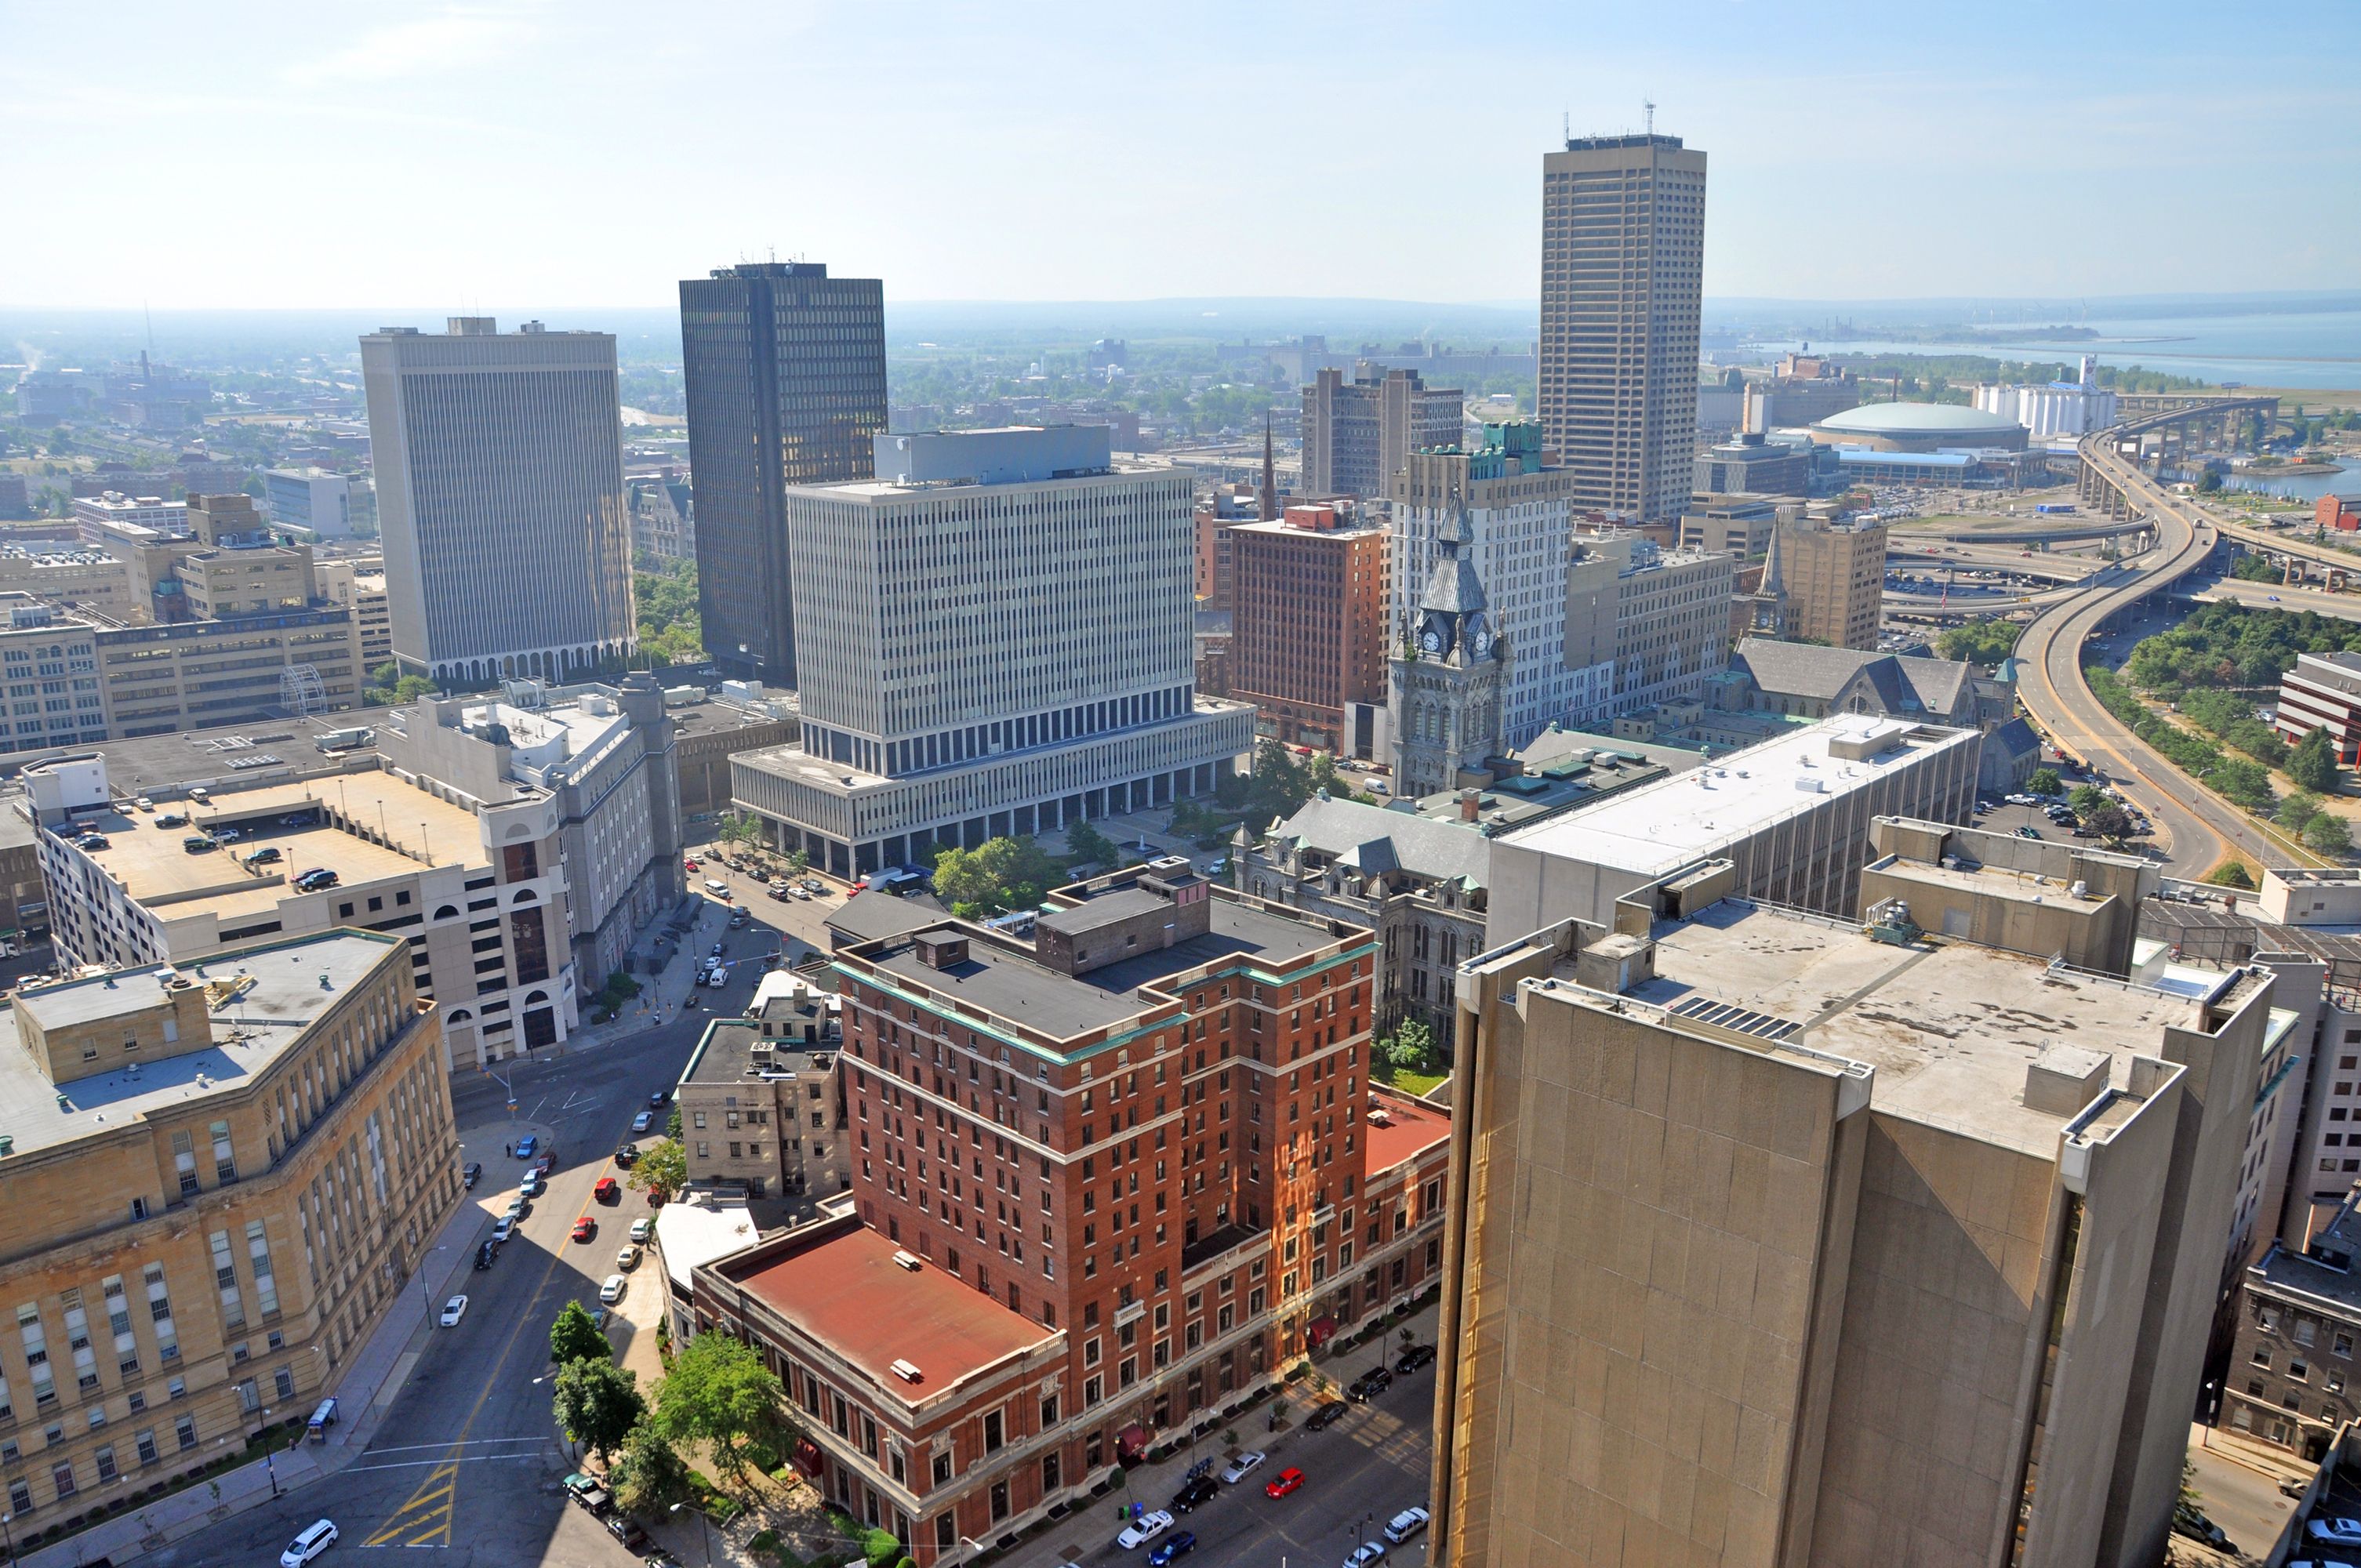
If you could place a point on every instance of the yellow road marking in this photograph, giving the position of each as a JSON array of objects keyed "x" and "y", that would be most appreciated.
[{"x": 440, "y": 1482}]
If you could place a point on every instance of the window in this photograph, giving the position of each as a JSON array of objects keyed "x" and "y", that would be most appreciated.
[
  {"x": 185, "y": 1429},
  {"x": 145, "y": 1443},
  {"x": 283, "y": 1383},
  {"x": 943, "y": 1470},
  {"x": 992, "y": 1431}
]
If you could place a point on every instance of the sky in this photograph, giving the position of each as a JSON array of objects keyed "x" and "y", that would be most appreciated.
[{"x": 240, "y": 156}]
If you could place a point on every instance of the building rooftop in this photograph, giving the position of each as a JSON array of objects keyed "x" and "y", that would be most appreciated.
[
  {"x": 875, "y": 912},
  {"x": 1002, "y": 978},
  {"x": 1805, "y": 669},
  {"x": 237, "y": 756},
  {"x": 1950, "y": 1030},
  {"x": 690, "y": 1234},
  {"x": 1919, "y": 419},
  {"x": 726, "y": 1053},
  {"x": 148, "y": 862},
  {"x": 1376, "y": 839},
  {"x": 250, "y": 1029},
  {"x": 1659, "y": 826},
  {"x": 2324, "y": 1270},
  {"x": 1409, "y": 1130},
  {"x": 845, "y": 1290}
]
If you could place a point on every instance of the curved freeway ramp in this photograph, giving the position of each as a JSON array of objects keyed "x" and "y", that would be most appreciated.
[{"x": 2202, "y": 827}]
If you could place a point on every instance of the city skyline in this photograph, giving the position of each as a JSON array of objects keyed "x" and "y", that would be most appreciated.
[{"x": 1055, "y": 148}]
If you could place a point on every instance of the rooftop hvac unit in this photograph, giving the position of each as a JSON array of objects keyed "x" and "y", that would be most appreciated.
[
  {"x": 908, "y": 1260},
  {"x": 907, "y": 1371}
]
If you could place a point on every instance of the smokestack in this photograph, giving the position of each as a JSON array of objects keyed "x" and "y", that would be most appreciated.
[{"x": 1471, "y": 805}]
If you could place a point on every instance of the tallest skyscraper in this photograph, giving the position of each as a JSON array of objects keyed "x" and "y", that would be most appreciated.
[
  {"x": 1622, "y": 254},
  {"x": 785, "y": 373}
]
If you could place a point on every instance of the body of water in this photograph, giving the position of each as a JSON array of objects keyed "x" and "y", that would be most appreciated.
[
  {"x": 2318, "y": 349},
  {"x": 2345, "y": 482}
]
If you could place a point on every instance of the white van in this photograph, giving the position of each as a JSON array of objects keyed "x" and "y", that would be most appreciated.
[{"x": 717, "y": 887}]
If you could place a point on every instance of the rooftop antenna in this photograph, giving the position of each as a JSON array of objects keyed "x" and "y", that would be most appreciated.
[
  {"x": 1566, "y": 124},
  {"x": 1648, "y": 115}
]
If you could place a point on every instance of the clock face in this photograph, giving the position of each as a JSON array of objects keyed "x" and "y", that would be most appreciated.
[
  {"x": 1483, "y": 642},
  {"x": 1431, "y": 640}
]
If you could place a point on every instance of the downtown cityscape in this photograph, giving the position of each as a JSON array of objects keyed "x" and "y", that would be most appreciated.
[{"x": 969, "y": 801}]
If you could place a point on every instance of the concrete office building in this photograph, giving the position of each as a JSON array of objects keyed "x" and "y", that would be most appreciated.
[
  {"x": 1309, "y": 648},
  {"x": 784, "y": 371},
  {"x": 1357, "y": 434},
  {"x": 1829, "y": 579},
  {"x": 1622, "y": 259},
  {"x": 49, "y": 667},
  {"x": 945, "y": 704},
  {"x": 71, "y": 578},
  {"x": 310, "y": 499},
  {"x": 219, "y": 1178},
  {"x": 1520, "y": 519},
  {"x": 2323, "y": 692},
  {"x": 1791, "y": 815},
  {"x": 1754, "y": 465},
  {"x": 1775, "y": 1241},
  {"x": 480, "y": 897},
  {"x": 1671, "y": 619},
  {"x": 96, "y": 515},
  {"x": 499, "y": 461},
  {"x": 600, "y": 760},
  {"x": 707, "y": 733},
  {"x": 1281, "y": 1221},
  {"x": 359, "y": 586},
  {"x": 1737, "y": 525},
  {"x": 762, "y": 1100}
]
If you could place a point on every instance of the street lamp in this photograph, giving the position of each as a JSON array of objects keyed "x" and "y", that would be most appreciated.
[
  {"x": 9, "y": 1535},
  {"x": 704, "y": 1529}
]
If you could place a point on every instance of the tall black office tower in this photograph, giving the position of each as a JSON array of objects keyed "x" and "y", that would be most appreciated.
[{"x": 785, "y": 372}]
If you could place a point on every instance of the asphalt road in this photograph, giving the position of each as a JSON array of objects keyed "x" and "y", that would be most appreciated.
[
  {"x": 468, "y": 1460},
  {"x": 1358, "y": 1475},
  {"x": 2201, "y": 829}
]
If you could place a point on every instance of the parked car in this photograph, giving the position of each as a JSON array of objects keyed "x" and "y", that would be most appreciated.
[
  {"x": 531, "y": 1185},
  {"x": 642, "y": 1230},
  {"x": 588, "y": 1490},
  {"x": 1178, "y": 1545},
  {"x": 1369, "y": 1385},
  {"x": 1199, "y": 1490},
  {"x": 2334, "y": 1532},
  {"x": 1365, "y": 1555},
  {"x": 626, "y": 1528},
  {"x": 1238, "y": 1469},
  {"x": 267, "y": 855},
  {"x": 657, "y": 1100},
  {"x": 1326, "y": 1415},
  {"x": 1414, "y": 1357},
  {"x": 612, "y": 1290},
  {"x": 1143, "y": 1529},
  {"x": 472, "y": 1173},
  {"x": 584, "y": 1228},
  {"x": 628, "y": 1258},
  {"x": 453, "y": 1310},
  {"x": 606, "y": 1191},
  {"x": 627, "y": 1155},
  {"x": 516, "y": 1210},
  {"x": 1288, "y": 1480},
  {"x": 320, "y": 1536},
  {"x": 485, "y": 1252},
  {"x": 503, "y": 1227},
  {"x": 528, "y": 1145},
  {"x": 643, "y": 1121},
  {"x": 1405, "y": 1524}
]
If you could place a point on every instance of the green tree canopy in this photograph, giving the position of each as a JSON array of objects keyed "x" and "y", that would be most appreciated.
[
  {"x": 2045, "y": 781},
  {"x": 2327, "y": 834},
  {"x": 573, "y": 1337},
  {"x": 1978, "y": 642},
  {"x": 720, "y": 1393},
  {"x": 1085, "y": 842},
  {"x": 661, "y": 1167},
  {"x": 650, "y": 1475},
  {"x": 2312, "y": 763},
  {"x": 596, "y": 1403}
]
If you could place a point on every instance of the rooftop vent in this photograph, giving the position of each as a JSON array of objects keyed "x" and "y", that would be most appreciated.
[
  {"x": 908, "y": 1260},
  {"x": 907, "y": 1371}
]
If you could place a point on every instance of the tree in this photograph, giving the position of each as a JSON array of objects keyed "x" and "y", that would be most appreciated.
[
  {"x": 720, "y": 1393},
  {"x": 2230, "y": 873},
  {"x": 2327, "y": 834},
  {"x": 798, "y": 861},
  {"x": 1411, "y": 1045},
  {"x": 2086, "y": 799},
  {"x": 2110, "y": 821},
  {"x": 596, "y": 1403},
  {"x": 661, "y": 1167},
  {"x": 2297, "y": 810},
  {"x": 2312, "y": 764},
  {"x": 573, "y": 1337},
  {"x": 1085, "y": 842},
  {"x": 2045, "y": 781},
  {"x": 650, "y": 1475}
]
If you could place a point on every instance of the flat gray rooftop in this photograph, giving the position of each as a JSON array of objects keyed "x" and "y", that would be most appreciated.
[
  {"x": 234, "y": 757},
  {"x": 726, "y": 1051},
  {"x": 1014, "y": 985},
  {"x": 1106, "y": 909},
  {"x": 249, "y": 1033},
  {"x": 1950, "y": 1029}
]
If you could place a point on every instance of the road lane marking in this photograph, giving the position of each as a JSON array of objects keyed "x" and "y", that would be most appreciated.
[
  {"x": 440, "y": 1447},
  {"x": 423, "y": 1464}
]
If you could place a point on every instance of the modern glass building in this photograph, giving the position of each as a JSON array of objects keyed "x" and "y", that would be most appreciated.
[{"x": 786, "y": 370}]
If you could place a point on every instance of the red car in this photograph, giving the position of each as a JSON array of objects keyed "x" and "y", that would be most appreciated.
[
  {"x": 607, "y": 1192},
  {"x": 1287, "y": 1481},
  {"x": 586, "y": 1227}
]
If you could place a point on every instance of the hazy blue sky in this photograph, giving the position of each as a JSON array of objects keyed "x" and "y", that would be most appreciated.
[{"x": 235, "y": 154}]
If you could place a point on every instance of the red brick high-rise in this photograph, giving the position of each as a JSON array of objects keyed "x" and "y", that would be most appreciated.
[{"x": 1308, "y": 623}]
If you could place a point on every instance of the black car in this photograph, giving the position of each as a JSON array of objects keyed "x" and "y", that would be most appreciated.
[
  {"x": 627, "y": 1155},
  {"x": 1370, "y": 1384},
  {"x": 472, "y": 1173},
  {"x": 626, "y": 1528},
  {"x": 657, "y": 1099},
  {"x": 485, "y": 1253},
  {"x": 1203, "y": 1488},
  {"x": 1326, "y": 1416},
  {"x": 1412, "y": 1359}
]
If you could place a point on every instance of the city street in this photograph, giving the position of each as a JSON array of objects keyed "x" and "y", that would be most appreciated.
[{"x": 466, "y": 1459}]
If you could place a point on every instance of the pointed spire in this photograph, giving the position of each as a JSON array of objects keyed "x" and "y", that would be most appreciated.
[
  {"x": 1268, "y": 509},
  {"x": 1457, "y": 528}
]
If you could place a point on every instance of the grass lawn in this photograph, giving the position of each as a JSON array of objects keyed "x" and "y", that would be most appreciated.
[{"x": 1410, "y": 1082}]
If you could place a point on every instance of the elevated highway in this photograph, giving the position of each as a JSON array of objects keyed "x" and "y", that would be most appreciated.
[
  {"x": 2264, "y": 542},
  {"x": 2203, "y": 828}
]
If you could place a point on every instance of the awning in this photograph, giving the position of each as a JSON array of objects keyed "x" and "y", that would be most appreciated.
[
  {"x": 807, "y": 1457},
  {"x": 1322, "y": 1330},
  {"x": 1131, "y": 1442}
]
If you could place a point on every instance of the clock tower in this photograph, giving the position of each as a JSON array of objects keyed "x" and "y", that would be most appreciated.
[{"x": 1445, "y": 677}]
